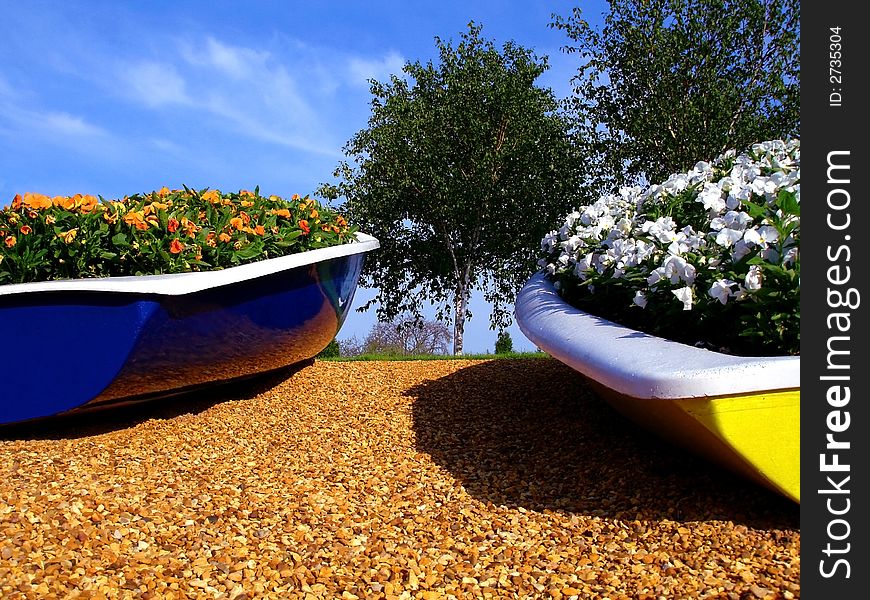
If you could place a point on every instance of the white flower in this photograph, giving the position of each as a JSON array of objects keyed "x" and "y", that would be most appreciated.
[
  {"x": 676, "y": 183},
  {"x": 765, "y": 234},
  {"x": 654, "y": 244},
  {"x": 684, "y": 295},
  {"x": 662, "y": 229},
  {"x": 583, "y": 265},
  {"x": 572, "y": 218},
  {"x": 676, "y": 268},
  {"x": 721, "y": 290},
  {"x": 741, "y": 249},
  {"x": 624, "y": 226},
  {"x": 711, "y": 198},
  {"x": 549, "y": 241},
  {"x": 640, "y": 299},
  {"x": 655, "y": 276},
  {"x": 727, "y": 237},
  {"x": 571, "y": 245},
  {"x": 753, "y": 278}
]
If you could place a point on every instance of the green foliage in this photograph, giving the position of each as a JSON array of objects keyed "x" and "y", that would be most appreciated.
[
  {"x": 504, "y": 344},
  {"x": 667, "y": 81},
  {"x": 462, "y": 165},
  {"x": 332, "y": 350},
  {"x": 73, "y": 237}
]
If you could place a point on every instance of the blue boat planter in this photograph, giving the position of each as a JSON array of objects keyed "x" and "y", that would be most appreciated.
[{"x": 78, "y": 344}]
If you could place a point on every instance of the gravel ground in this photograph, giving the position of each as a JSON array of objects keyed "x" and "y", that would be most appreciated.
[{"x": 428, "y": 479}]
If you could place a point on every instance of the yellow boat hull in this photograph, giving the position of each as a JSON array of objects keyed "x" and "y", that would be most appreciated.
[
  {"x": 741, "y": 412},
  {"x": 756, "y": 435}
]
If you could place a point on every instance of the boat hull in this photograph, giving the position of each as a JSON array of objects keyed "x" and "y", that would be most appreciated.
[
  {"x": 75, "y": 347},
  {"x": 741, "y": 412}
]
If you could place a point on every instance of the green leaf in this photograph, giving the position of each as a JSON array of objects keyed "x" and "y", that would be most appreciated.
[{"x": 787, "y": 201}]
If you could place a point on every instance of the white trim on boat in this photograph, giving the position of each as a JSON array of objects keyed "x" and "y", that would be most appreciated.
[
  {"x": 176, "y": 284},
  {"x": 637, "y": 364}
]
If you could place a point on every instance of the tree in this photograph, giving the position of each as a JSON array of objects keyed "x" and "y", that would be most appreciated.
[
  {"x": 504, "y": 344},
  {"x": 463, "y": 168},
  {"x": 406, "y": 336},
  {"x": 667, "y": 83},
  {"x": 332, "y": 350}
]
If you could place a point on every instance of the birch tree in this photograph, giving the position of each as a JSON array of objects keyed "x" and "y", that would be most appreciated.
[{"x": 464, "y": 166}]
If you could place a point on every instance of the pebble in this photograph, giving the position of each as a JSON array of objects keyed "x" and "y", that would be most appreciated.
[{"x": 415, "y": 479}]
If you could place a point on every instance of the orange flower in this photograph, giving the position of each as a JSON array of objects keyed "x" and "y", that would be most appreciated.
[
  {"x": 176, "y": 247},
  {"x": 136, "y": 219},
  {"x": 68, "y": 236},
  {"x": 303, "y": 224},
  {"x": 314, "y": 213},
  {"x": 172, "y": 225},
  {"x": 110, "y": 213},
  {"x": 246, "y": 193},
  {"x": 64, "y": 202},
  {"x": 16, "y": 202},
  {"x": 209, "y": 239},
  {"x": 32, "y": 200},
  {"x": 281, "y": 212},
  {"x": 25, "y": 230},
  {"x": 225, "y": 237},
  {"x": 245, "y": 217},
  {"x": 190, "y": 228},
  {"x": 86, "y": 203},
  {"x": 212, "y": 196},
  {"x": 259, "y": 230},
  {"x": 10, "y": 241},
  {"x": 152, "y": 208},
  {"x": 237, "y": 222},
  {"x": 163, "y": 192}
]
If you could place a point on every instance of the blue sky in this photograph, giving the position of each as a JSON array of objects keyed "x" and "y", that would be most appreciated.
[{"x": 112, "y": 98}]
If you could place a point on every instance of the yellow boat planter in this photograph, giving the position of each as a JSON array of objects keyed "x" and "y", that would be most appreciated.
[{"x": 740, "y": 412}]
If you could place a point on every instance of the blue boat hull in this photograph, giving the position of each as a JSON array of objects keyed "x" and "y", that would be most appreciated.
[{"x": 66, "y": 351}]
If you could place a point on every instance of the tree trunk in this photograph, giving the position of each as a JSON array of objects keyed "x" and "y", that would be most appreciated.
[{"x": 459, "y": 318}]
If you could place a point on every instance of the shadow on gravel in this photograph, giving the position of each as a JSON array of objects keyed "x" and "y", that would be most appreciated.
[
  {"x": 531, "y": 433},
  {"x": 122, "y": 416}
]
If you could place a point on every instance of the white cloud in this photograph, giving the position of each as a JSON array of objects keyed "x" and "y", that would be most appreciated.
[
  {"x": 361, "y": 70},
  {"x": 154, "y": 84},
  {"x": 66, "y": 125},
  {"x": 242, "y": 90},
  {"x": 279, "y": 91},
  {"x": 238, "y": 63},
  {"x": 54, "y": 126}
]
